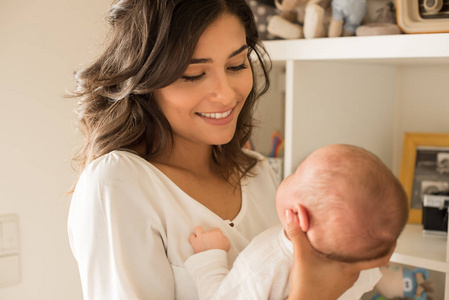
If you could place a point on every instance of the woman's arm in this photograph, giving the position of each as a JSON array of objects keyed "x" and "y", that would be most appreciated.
[
  {"x": 316, "y": 277},
  {"x": 116, "y": 238}
]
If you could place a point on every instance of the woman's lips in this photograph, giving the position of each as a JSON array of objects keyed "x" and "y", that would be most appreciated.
[{"x": 222, "y": 118}]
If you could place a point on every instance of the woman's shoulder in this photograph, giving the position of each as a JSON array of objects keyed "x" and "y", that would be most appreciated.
[
  {"x": 122, "y": 172},
  {"x": 117, "y": 163},
  {"x": 262, "y": 168},
  {"x": 254, "y": 154},
  {"x": 262, "y": 173},
  {"x": 262, "y": 162}
]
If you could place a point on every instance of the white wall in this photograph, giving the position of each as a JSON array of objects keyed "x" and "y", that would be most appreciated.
[
  {"x": 421, "y": 102},
  {"x": 41, "y": 43},
  {"x": 270, "y": 112},
  {"x": 338, "y": 102},
  {"x": 371, "y": 105}
]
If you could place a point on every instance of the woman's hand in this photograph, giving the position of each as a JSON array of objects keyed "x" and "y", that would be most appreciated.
[{"x": 316, "y": 277}]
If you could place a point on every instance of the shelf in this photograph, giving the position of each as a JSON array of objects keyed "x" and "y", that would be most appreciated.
[
  {"x": 421, "y": 250},
  {"x": 366, "y": 91},
  {"x": 389, "y": 49}
]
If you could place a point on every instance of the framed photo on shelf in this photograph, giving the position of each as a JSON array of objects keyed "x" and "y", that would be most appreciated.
[{"x": 424, "y": 168}]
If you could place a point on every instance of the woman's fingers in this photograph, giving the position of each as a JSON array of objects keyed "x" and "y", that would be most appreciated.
[
  {"x": 313, "y": 276},
  {"x": 293, "y": 228},
  {"x": 296, "y": 234}
]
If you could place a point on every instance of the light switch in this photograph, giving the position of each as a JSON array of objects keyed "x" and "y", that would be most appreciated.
[
  {"x": 10, "y": 236},
  {"x": 1, "y": 237},
  {"x": 10, "y": 272}
]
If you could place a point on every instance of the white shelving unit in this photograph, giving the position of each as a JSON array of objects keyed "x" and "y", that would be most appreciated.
[
  {"x": 368, "y": 91},
  {"x": 390, "y": 49},
  {"x": 422, "y": 249}
]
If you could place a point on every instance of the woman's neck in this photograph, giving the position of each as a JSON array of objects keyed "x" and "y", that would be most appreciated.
[{"x": 196, "y": 158}]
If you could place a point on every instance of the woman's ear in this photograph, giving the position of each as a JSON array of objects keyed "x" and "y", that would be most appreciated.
[{"x": 303, "y": 217}]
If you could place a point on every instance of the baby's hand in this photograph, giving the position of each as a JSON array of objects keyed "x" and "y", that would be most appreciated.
[{"x": 207, "y": 240}]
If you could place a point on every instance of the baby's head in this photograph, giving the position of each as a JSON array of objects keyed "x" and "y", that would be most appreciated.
[{"x": 356, "y": 207}]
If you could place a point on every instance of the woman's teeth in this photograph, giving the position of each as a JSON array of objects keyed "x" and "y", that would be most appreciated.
[{"x": 216, "y": 115}]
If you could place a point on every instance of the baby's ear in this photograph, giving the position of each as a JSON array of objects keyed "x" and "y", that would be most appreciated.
[{"x": 303, "y": 217}]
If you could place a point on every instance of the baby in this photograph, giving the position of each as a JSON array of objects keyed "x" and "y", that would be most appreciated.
[{"x": 351, "y": 207}]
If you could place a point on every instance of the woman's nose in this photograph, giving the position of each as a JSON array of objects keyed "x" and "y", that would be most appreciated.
[{"x": 222, "y": 89}]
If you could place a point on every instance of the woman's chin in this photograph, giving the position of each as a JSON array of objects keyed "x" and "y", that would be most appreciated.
[{"x": 222, "y": 140}]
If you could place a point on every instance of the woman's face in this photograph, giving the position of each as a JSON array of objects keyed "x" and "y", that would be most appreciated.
[{"x": 203, "y": 105}]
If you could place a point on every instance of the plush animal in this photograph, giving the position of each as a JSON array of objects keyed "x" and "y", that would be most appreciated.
[
  {"x": 300, "y": 19},
  {"x": 384, "y": 24},
  {"x": 263, "y": 10},
  {"x": 347, "y": 15},
  {"x": 317, "y": 18},
  {"x": 398, "y": 282}
]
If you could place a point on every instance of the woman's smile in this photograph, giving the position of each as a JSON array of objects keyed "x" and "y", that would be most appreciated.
[
  {"x": 217, "y": 115},
  {"x": 218, "y": 119}
]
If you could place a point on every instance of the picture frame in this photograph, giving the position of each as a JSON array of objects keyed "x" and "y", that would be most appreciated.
[
  {"x": 424, "y": 168},
  {"x": 420, "y": 17}
]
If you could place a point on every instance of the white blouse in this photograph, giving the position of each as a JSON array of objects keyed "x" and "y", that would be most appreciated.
[{"x": 129, "y": 226}]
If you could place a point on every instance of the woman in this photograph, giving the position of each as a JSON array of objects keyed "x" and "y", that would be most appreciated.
[{"x": 166, "y": 111}]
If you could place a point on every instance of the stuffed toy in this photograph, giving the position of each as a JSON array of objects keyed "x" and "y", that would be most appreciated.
[
  {"x": 317, "y": 18},
  {"x": 384, "y": 24},
  {"x": 300, "y": 19},
  {"x": 398, "y": 282},
  {"x": 347, "y": 15},
  {"x": 263, "y": 10}
]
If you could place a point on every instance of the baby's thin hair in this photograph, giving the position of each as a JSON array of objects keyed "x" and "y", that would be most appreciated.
[{"x": 353, "y": 190}]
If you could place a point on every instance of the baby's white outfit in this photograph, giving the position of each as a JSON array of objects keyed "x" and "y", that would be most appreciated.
[{"x": 261, "y": 271}]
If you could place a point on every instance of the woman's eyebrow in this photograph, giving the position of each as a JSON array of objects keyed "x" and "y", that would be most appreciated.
[
  {"x": 209, "y": 60},
  {"x": 238, "y": 51}
]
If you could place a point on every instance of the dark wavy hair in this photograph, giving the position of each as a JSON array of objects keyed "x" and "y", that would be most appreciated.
[{"x": 150, "y": 45}]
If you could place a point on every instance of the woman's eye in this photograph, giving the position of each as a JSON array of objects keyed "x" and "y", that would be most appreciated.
[
  {"x": 238, "y": 68},
  {"x": 192, "y": 78},
  {"x": 199, "y": 77}
]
